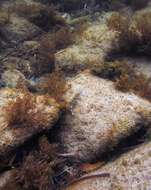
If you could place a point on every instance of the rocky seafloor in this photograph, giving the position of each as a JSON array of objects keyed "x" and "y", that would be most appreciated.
[{"x": 75, "y": 95}]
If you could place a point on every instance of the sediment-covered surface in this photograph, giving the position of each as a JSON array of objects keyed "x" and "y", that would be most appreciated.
[{"x": 130, "y": 171}]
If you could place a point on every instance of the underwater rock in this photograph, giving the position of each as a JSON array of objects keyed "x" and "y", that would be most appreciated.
[
  {"x": 19, "y": 29},
  {"x": 90, "y": 49},
  {"x": 13, "y": 78},
  {"x": 26, "y": 67},
  {"x": 32, "y": 45},
  {"x": 141, "y": 64},
  {"x": 23, "y": 115},
  {"x": 44, "y": 16},
  {"x": 99, "y": 117},
  {"x": 129, "y": 171}
]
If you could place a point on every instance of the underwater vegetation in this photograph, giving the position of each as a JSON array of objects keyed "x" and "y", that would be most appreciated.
[
  {"x": 4, "y": 17},
  {"x": 52, "y": 42},
  {"x": 41, "y": 15},
  {"x": 135, "y": 82},
  {"x": 49, "y": 44},
  {"x": 55, "y": 86},
  {"x": 36, "y": 170},
  {"x": 134, "y": 38},
  {"x": 39, "y": 105},
  {"x": 133, "y": 34},
  {"x": 113, "y": 70},
  {"x": 126, "y": 78},
  {"x": 4, "y": 20},
  {"x": 23, "y": 111}
]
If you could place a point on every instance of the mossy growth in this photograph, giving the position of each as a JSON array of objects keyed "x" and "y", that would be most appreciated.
[
  {"x": 112, "y": 70},
  {"x": 55, "y": 86},
  {"x": 4, "y": 20},
  {"x": 50, "y": 43},
  {"x": 23, "y": 111},
  {"x": 134, "y": 82},
  {"x": 35, "y": 172},
  {"x": 41, "y": 15},
  {"x": 126, "y": 78},
  {"x": 4, "y": 17},
  {"x": 127, "y": 39},
  {"x": 133, "y": 34}
]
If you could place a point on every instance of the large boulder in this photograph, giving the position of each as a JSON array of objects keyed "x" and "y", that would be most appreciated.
[
  {"x": 100, "y": 116},
  {"x": 131, "y": 171}
]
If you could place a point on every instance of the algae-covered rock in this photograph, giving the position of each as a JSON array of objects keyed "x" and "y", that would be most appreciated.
[
  {"x": 31, "y": 45},
  {"x": 99, "y": 117},
  {"x": 141, "y": 64},
  {"x": 23, "y": 115},
  {"x": 90, "y": 49},
  {"x": 27, "y": 67},
  {"x": 13, "y": 78},
  {"x": 19, "y": 29},
  {"x": 131, "y": 171},
  {"x": 43, "y": 16}
]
